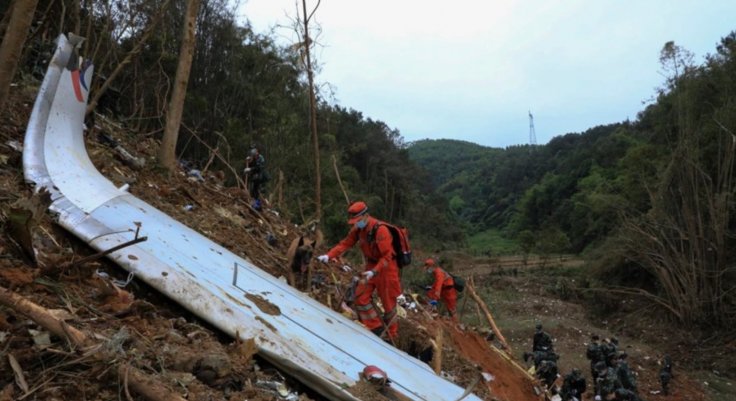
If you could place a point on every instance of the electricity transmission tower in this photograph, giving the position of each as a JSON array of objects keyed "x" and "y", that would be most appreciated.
[{"x": 532, "y": 134}]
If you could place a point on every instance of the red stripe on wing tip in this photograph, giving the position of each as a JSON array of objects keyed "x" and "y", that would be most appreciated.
[{"x": 75, "y": 84}]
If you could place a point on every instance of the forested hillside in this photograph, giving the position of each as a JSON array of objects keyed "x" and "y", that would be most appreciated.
[
  {"x": 651, "y": 200},
  {"x": 533, "y": 188}
]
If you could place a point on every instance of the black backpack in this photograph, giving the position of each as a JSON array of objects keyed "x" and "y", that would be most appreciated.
[
  {"x": 399, "y": 240},
  {"x": 459, "y": 283}
]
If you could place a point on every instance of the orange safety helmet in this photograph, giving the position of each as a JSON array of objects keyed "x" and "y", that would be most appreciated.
[
  {"x": 356, "y": 210},
  {"x": 429, "y": 262}
]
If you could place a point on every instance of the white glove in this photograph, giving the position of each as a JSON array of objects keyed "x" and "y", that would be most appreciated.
[
  {"x": 597, "y": 398},
  {"x": 346, "y": 268},
  {"x": 323, "y": 258},
  {"x": 247, "y": 170},
  {"x": 369, "y": 274}
]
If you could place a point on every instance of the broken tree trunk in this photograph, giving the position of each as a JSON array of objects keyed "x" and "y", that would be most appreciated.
[
  {"x": 437, "y": 352},
  {"x": 139, "y": 381},
  {"x": 489, "y": 317}
]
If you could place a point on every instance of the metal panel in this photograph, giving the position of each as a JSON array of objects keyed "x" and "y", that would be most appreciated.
[{"x": 308, "y": 340}]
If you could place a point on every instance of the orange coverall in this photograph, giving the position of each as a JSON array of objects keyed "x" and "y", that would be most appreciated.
[
  {"x": 443, "y": 289},
  {"x": 379, "y": 257}
]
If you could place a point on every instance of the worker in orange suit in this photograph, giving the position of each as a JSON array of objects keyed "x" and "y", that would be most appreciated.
[
  {"x": 443, "y": 288},
  {"x": 381, "y": 271}
]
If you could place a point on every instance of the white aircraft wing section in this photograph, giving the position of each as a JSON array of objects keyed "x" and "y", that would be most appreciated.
[{"x": 309, "y": 341}]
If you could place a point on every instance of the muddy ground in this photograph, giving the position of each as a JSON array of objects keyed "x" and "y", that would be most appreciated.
[{"x": 131, "y": 326}]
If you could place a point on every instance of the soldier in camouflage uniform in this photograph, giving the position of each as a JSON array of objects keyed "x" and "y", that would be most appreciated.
[
  {"x": 573, "y": 386},
  {"x": 665, "y": 375},
  {"x": 624, "y": 373},
  {"x": 539, "y": 356},
  {"x": 595, "y": 354},
  {"x": 610, "y": 350},
  {"x": 547, "y": 373},
  {"x": 607, "y": 382},
  {"x": 542, "y": 341}
]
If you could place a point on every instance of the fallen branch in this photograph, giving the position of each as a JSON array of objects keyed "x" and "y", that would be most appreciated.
[
  {"x": 106, "y": 252},
  {"x": 190, "y": 196},
  {"x": 489, "y": 317},
  {"x": 238, "y": 180},
  {"x": 139, "y": 381},
  {"x": 462, "y": 310},
  {"x": 472, "y": 385},
  {"x": 214, "y": 152},
  {"x": 384, "y": 325}
]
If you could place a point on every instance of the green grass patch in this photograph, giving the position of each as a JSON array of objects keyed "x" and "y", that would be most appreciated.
[
  {"x": 558, "y": 266},
  {"x": 499, "y": 302},
  {"x": 492, "y": 242}
]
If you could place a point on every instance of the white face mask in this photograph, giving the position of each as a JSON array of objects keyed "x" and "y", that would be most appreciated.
[{"x": 360, "y": 224}]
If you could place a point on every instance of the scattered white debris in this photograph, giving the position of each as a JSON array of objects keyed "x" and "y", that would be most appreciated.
[
  {"x": 15, "y": 145},
  {"x": 42, "y": 339}
]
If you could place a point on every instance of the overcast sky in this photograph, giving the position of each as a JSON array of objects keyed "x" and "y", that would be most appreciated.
[{"x": 472, "y": 69}]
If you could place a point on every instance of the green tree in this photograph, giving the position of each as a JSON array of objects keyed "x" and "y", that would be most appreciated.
[
  {"x": 527, "y": 242},
  {"x": 552, "y": 240}
]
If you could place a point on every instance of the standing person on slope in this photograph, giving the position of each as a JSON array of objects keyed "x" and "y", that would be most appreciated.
[
  {"x": 443, "y": 288},
  {"x": 255, "y": 170},
  {"x": 381, "y": 272}
]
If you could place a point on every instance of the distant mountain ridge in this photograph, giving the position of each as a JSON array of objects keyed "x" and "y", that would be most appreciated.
[{"x": 445, "y": 158}]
